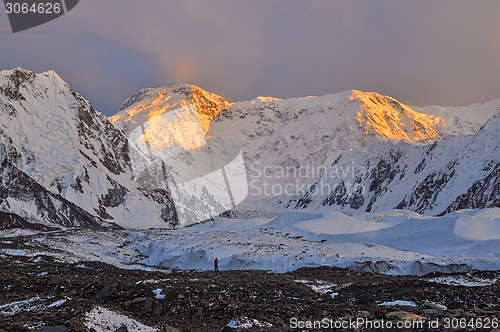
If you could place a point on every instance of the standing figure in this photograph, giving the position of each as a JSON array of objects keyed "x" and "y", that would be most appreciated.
[{"x": 216, "y": 264}]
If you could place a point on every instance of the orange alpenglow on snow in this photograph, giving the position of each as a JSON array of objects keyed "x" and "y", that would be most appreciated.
[
  {"x": 173, "y": 116},
  {"x": 389, "y": 118}
]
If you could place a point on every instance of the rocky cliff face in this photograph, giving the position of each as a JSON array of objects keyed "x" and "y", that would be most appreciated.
[{"x": 31, "y": 206}]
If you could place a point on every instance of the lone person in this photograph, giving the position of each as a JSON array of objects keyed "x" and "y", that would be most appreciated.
[{"x": 216, "y": 264}]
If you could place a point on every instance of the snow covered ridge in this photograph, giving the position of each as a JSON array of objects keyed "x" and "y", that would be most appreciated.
[
  {"x": 357, "y": 151},
  {"x": 361, "y": 150},
  {"x": 62, "y": 160}
]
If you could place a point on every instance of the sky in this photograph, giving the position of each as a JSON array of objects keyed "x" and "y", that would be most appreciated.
[{"x": 422, "y": 53}]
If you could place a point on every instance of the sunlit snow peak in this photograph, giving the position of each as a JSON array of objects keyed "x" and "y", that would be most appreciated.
[
  {"x": 147, "y": 104},
  {"x": 393, "y": 120}
]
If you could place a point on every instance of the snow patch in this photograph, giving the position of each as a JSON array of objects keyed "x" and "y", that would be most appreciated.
[
  {"x": 13, "y": 308},
  {"x": 318, "y": 286},
  {"x": 483, "y": 226},
  {"x": 246, "y": 323},
  {"x": 158, "y": 294},
  {"x": 104, "y": 320},
  {"x": 468, "y": 281},
  {"x": 400, "y": 303},
  {"x": 56, "y": 304}
]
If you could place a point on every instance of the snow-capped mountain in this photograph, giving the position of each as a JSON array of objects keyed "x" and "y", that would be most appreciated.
[
  {"x": 65, "y": 164},
  {"x": 67, "y": 152},
  {"x": 150, "y": 103},
  {"x": 315, "y": 129},
  {"x": 173, "y": 122},
  {"x": 170, "y": 126},
  {"x": 470, "y": 180},
  {"x": 348, "y": 151},
  {"x": 363, "y": 151}
]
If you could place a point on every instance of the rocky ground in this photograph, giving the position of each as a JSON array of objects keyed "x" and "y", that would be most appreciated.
[{"x": 60, "y": 295}]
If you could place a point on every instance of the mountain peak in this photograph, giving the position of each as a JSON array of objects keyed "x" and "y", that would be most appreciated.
[
  {"x": 27, "y": 75},
  {"x": 16, "y": 83},
  {"x": 174, "y": 92},
  {"x": 149, "y": 103},
  {"x": 393, "y": 120},
  {"x": 17, "y": 76},
  {"x": 56, "y": 147},
  {"x": 265, "y": 99}
]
